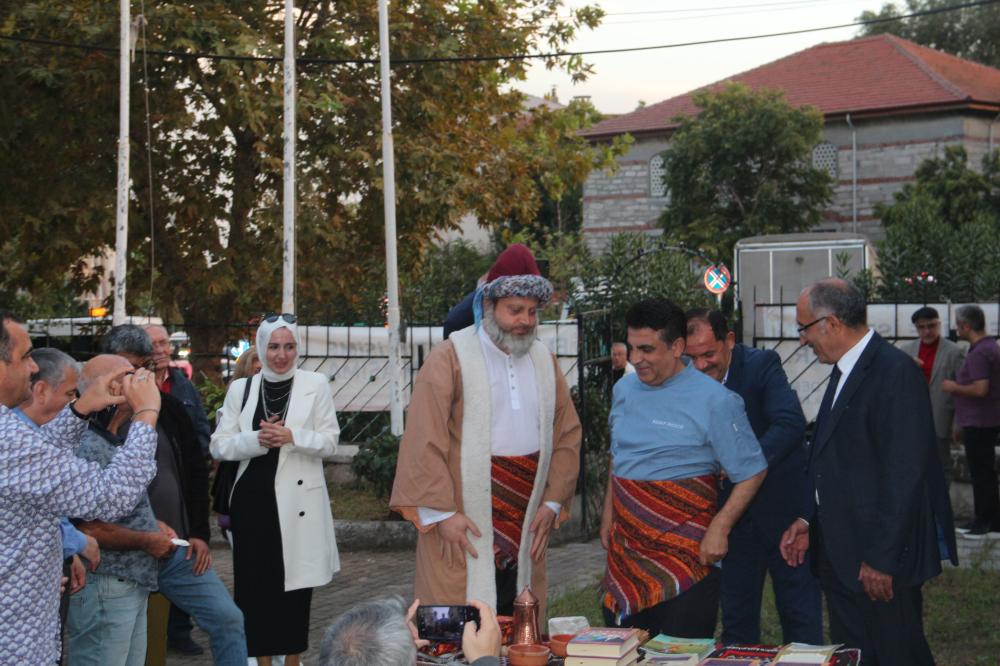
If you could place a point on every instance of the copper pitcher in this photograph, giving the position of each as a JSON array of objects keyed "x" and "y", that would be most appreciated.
[{"x": 526, "y": 619}]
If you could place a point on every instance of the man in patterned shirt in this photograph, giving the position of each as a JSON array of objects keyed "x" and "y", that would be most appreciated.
[{"x": 41, "y": 479}]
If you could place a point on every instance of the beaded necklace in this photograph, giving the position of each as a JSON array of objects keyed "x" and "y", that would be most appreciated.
[{"x": 268, "y": 414}]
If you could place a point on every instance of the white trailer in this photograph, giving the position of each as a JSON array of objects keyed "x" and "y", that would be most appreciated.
[{"x": 774, "y": 269}]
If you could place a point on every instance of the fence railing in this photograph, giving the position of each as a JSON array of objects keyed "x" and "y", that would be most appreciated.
[
  {"x": 354, "y": 358},
  {"x": 774, "y": 327}
]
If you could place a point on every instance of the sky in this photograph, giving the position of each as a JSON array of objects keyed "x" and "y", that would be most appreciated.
[{"x": 621, "y": 81}]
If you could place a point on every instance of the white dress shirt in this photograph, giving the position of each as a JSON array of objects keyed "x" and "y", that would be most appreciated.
[
  {"x": 514, "y": 413},
  {"x": 846, "y": 365},
  {"x": 849, "y": 360}
]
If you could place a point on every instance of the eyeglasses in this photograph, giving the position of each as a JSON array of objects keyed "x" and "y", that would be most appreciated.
[
  {"x": 287, "y": 317},
  {"x": 805, "y": 327},
  {"x": 148, "y": 364}
]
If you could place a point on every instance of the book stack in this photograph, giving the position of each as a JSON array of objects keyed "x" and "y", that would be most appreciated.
[
  {"x": 603, "y": 647},
  {"x": 800, "y": 654},
  {"x": 664, "y": 649}
]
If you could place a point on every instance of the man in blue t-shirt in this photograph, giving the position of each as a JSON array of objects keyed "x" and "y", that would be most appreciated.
[{"x": 673, "y": 430}]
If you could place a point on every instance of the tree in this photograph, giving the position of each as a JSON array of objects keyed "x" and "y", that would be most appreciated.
[
  {"x": 742, "y": 167},
  {"x": 972, "y": 33},
  {"x": 947, "y": 225},
  {"x": 211, "y": 236},
  {"x": 560, "y": 160}
]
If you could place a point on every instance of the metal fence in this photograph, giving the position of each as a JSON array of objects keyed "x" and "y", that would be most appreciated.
[
  {"x": 354, "y": 358},
  {"x": 774, "y": 327}
]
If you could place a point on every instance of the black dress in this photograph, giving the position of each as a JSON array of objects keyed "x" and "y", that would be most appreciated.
[{"x": 277, "y": 622}]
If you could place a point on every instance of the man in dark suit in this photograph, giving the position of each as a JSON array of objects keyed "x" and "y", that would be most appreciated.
[
  {"x": 878, "y": 498},
  {"x": 777, "y": 420}
]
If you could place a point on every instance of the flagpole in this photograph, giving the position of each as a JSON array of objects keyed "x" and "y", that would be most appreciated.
[
  {"x": 121, "y": 203},
  {"x": 288, "y": 213},
  {"x": 389, "y": 197}
]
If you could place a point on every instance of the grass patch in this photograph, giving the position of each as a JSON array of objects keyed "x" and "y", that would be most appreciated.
[
  {"x": 960, "y": 615},
  {"x": 358, "y": 502}
]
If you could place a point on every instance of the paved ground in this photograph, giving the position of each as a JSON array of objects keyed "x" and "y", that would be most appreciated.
[{"x": 366, "y": 575}]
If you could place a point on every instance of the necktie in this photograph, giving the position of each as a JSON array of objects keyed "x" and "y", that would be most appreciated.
[{"x": 827, "y": 404}]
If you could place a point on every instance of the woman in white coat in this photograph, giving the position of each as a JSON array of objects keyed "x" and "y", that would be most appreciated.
[{"x": 281, "y": 427}]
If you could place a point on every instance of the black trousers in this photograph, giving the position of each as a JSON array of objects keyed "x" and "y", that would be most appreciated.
[
  {"x": 752, "y": 555},
  {"x": 506, "y": 580},
  {"x": 981, "y": 457},
  {"x": 693, "y": 614},
  {"x": 888, "y": 633}
]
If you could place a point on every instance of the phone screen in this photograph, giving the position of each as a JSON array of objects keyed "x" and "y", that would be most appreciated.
[{"x": 444, "y": 623}]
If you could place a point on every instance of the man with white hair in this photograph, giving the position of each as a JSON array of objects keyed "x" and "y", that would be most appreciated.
[
  {"x": 381, "y": 633},
  {"x": 53, "y": 387},
  {"x": 491, "y": 453}
]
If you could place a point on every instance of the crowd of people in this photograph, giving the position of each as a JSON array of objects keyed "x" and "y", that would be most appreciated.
[{"x": 716, "y": 482}]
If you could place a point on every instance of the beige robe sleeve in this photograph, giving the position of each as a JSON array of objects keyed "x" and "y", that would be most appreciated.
[
  {"x": 566, "y": 441},
  {"x": 427, "y": 455}
]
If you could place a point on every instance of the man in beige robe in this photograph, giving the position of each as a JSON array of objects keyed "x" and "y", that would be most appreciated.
[{"x": 490, "y": 398}]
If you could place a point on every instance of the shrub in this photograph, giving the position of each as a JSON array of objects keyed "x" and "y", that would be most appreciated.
[{"x": 375, "y": 462}]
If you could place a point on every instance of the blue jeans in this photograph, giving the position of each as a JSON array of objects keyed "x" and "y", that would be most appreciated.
[
  {"x": 207, "y": 600},
  {"x": 106, "y": 625}
]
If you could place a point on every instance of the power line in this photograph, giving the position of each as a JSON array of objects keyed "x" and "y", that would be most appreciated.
[
  {"x": 491, "y": 58},
  {"x": 688, "y": 10},
  {"x": 700, "y": 17}
]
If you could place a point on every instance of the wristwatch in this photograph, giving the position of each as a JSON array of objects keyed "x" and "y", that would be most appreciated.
[{"x": 72, "y": 408}]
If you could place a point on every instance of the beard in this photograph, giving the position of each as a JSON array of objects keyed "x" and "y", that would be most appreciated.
[{"x": 515, "y": 345}]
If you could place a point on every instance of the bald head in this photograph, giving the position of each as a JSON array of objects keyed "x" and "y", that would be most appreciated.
[
  {"x": 98, "y": 366},
  {"x": 832, "y": 317}
]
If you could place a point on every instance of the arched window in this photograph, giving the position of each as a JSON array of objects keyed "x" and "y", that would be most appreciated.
[
  {"x": 657, "y": 172},
  {"x": 825, "y": 158}
]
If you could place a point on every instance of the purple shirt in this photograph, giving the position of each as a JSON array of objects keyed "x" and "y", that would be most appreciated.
[{"x": 982, "y": 362}]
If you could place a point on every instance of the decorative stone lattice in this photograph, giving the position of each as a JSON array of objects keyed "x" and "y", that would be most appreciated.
[
  {"x": 825, "y": 158},
  {"x": 657, "y": 172}
]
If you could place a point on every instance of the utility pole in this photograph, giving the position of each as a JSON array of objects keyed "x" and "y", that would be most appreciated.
[
  {"x": 121, "y": 203},
  {"x": 288, "y": 212},
  {"x": 389, "y": 195}
]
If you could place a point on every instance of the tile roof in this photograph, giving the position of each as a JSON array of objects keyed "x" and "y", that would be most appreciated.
[{"x": 871, "y": 74}]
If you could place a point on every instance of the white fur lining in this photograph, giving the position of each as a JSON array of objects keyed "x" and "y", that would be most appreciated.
[{"x": 476, "y": 465}]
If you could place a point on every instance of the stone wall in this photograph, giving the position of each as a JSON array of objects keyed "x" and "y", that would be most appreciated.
[{"x": 889, "y": 152}]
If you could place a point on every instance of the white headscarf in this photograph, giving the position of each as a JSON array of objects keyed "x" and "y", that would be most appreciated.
[{"x": 264, "y": 332}]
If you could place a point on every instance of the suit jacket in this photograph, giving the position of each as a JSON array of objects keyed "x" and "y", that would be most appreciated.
[
  {"x": 947, "y": 363},
  {"x": 882, "y": 494},
  {"x": 193, "y": 471},
  {"x": 776, "y": 417},
  {"x": 308, "y": 545},
  {"x": 182, "y": 389}
]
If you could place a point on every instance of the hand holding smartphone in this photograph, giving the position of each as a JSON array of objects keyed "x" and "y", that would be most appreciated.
[{"x": 444, "y": 623}]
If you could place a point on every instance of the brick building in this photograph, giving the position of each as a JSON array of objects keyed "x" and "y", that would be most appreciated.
[{"x": 888, "y": 105}]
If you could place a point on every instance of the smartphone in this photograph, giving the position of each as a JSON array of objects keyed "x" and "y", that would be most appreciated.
[{"x": 445, "y": 623}]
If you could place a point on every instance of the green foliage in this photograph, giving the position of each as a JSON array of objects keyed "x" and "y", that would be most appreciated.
[
  {"x": 444, "y": 276},
  {"x": 212, "y": 396},
  {"x": 742, "y": 167},
  {"x": 559, "y": 160},
  {"x": 634, "y": 267},
  {"x": 972, "y": 33},
  {"x": 216, "y": 146},
  {"x": 375, "y": 462},
  {"x": 947, "y": 225}
]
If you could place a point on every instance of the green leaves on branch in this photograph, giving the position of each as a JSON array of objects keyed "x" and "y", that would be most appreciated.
[
  {"x": 947, "y": 224},
  {"x": 742, "y": 167},
  {"x": 972, "y": 33}
]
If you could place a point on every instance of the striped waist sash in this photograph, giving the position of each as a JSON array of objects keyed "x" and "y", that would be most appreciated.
[
  {"x": 655, "y": 538},
  {"x": 513, "y": 478}
]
